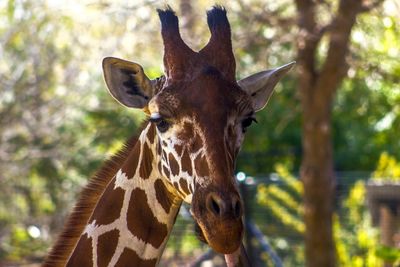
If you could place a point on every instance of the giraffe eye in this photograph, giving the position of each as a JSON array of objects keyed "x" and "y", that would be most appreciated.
[
  {"x": 247, "y": 122},
  {"x": 161, "y": 124}
]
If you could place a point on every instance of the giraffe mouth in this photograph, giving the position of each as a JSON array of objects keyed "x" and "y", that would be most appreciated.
[{"x": 224, "y": 238}]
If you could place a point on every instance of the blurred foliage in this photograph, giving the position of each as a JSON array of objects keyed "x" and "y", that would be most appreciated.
[
  {"x": 356, "y": 239},
  {"x": 55, "y": 129},
  {"x": 57, "y": 122},
  {"x": 389, "y": 254},
  {"x": 283, "y": 199},
  {"x": 388, "y": 168},
  {"x": 357, "y": 242},
  {"x": 366, "y": 116}
]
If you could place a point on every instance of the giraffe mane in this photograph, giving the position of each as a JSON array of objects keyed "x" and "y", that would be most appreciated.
[{"x": 85, "y": 205}]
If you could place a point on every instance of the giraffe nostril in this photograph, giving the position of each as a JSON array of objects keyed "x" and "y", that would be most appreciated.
[
  {"x": 214, "y": 204},
  {"x": 237, "y": 208},
  {"x": 215, "y": 207},
  {"x": 231, "y": 207}
]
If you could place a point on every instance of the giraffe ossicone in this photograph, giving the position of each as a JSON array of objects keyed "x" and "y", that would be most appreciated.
[{"x": 198, "y": 114}]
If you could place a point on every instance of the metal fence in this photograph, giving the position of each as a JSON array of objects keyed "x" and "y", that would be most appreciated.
[{"x": 269, "y": 241}]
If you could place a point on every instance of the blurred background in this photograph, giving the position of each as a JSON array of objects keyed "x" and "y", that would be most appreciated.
[{"x": 325, "y": 155}]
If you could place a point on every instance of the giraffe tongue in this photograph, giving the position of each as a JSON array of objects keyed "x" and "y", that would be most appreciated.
[
  {"x": 237, "y": 258},
  {"x": 232, "y": 260}
]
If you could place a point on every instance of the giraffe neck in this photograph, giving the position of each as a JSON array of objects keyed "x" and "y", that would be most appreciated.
[{"x": 131, "y": 222}]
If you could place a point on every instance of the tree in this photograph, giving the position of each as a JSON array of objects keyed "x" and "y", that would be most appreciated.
[{"x": 319, "y": 80}]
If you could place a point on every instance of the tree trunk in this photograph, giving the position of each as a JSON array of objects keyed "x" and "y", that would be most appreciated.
[
  {"x": 318, "y": 181},
  {"x": 317, "y": 89}
]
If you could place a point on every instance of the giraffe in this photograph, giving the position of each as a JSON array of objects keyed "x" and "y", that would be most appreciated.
[{"x": 197, "y": 117}]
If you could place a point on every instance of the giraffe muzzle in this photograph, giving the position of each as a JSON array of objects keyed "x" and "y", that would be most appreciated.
[{"x": 218, "y": 216}]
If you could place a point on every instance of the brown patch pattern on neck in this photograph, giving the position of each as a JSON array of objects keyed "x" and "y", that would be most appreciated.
[
  {"x": 146, "y": 162},
  {"x": 131, "y": 258},
  {"x": 163, "y": 196},
  {"x": 166, "y": 171},
  {"x": 178, "y": 149},
  {"x": 83, "y": 255},
  {"x": 151, "y": 134},
  {"x": 141, "y": 221},
  {"x": 184, "y": 186},
  {"x": 173, "y": 165},
  {"x": 130, "y": 165},
  {"x": 108, "y": 211},
  {"x": 106, "y": 246},
  {"x": 159, "y": 149},
  {"x": 186, "y": 163}
]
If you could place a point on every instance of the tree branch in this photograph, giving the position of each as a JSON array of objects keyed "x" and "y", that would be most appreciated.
[
  {"x": 335, "y": 67},
  {"x": 307, "y": 42}
]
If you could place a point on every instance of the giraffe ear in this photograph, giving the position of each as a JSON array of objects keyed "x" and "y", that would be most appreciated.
[
  {"x": 260, "y": 86},
  {"x": 127, "y": 82}
]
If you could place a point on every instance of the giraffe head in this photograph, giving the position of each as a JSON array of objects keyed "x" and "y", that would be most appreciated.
[{"x": 200, "y": 113}]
